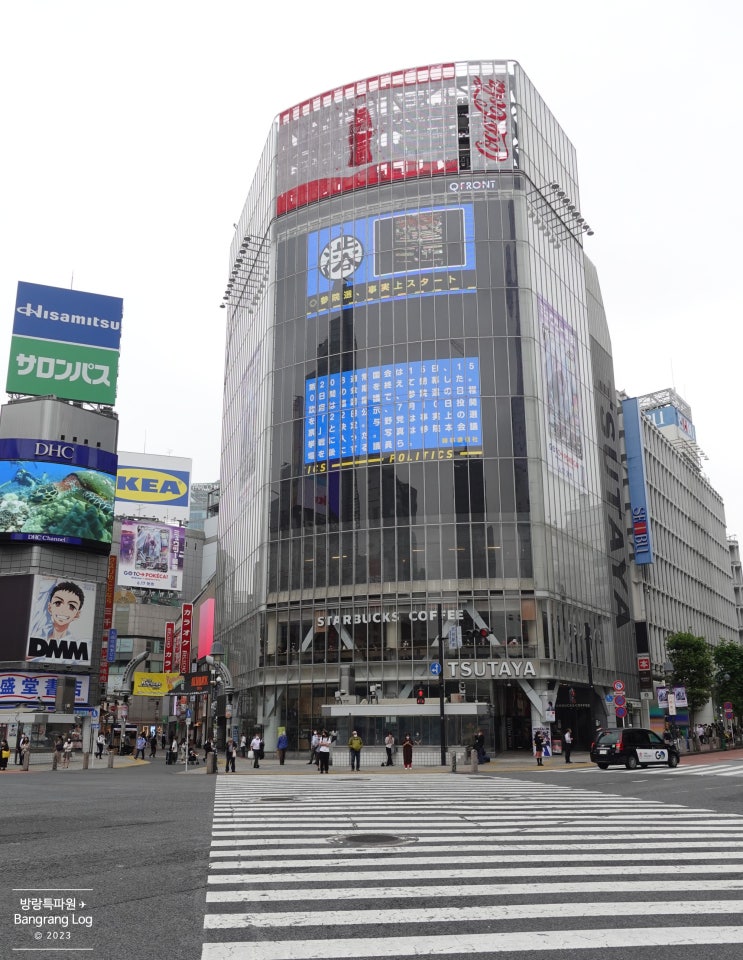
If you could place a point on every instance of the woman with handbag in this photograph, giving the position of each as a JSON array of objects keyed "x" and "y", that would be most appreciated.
[{"x": 4, "y": 754}]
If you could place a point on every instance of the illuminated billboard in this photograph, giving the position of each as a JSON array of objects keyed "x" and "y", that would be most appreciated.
[
  {"x": 439, "y": 119},
  {"x": 53, "y": 492},
  {"x": 151, "y": 555},
  {"x": 61, "y": 623},
  {"x": 153, "y": 486},
  {"x": 65, "y": 344},
  {"x": 423, "y": 410},
  {"x": 411, "y": 253}
]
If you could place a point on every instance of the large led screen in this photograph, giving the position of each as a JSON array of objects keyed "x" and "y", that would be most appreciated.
[
  {"x": 151, "y": 555},
  {"x": 53, "y": 492},
  {"x": 423, "y": 410},
  {"x": 385, "y": 257}
]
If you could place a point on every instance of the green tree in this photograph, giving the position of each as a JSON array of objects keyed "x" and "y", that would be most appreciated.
[
  {"x": 729, "y": 662},
  {"x": 693, "y": 667}
]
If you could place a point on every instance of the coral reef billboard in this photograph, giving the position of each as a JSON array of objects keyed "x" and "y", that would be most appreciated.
[{"x": 52, "y": 492}]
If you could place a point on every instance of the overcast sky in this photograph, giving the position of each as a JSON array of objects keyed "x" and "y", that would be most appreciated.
[{"x": 132, "y": 130}]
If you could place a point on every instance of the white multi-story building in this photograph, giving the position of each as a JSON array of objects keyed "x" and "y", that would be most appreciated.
[{"x": 681, "y": 570}]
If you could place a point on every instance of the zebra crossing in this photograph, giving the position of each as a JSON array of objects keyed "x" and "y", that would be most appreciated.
[
  {"x": 355, "y": 867},
  {"x": 689, "y": 770}
]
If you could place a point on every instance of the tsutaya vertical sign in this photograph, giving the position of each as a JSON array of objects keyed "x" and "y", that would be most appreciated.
[
  {"x": 168, "y": 652},
  {"x": 637, "y": 481},
  {"x": 186, "y": 624}
]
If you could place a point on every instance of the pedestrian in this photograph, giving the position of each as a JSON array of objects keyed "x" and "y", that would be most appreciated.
[
  {"x": 355, "y": 743},
  {"x": 174, "y": 749},
  {"x": 323, "y": 752},
  {"x": 25, "y": 748},
  {"x": 567, "y": 744},
  {"x": 207, "y": 749},
  {"x": 19, "y": 748},
  {"x": 140, "y": 746},
  {"x": 153, "y": 746},
  {"x": 282, "y": 745},
  {"x": 67, "y": 751},
  {"x": 479, "y": 747},
  {"x": 255, "y": 746},
  {"x": 539, "y": 747},
  {"x": 230, "y": 750},
  {"x": 314, "y": 740},
  {"x": 100, "y": 743},
  {"x": 4, "y": 754},
  {"x": 243, "y": 746},
  {"x": 389, "y": 746},
  {"x": 407, "y": 752}
]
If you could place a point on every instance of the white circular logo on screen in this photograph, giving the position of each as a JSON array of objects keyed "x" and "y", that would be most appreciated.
[{"x": 340, "y": 257}]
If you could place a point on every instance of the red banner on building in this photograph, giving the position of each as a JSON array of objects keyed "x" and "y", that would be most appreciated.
[
  {"x": 108, "y": 613},
  {"x": 186, "y": 624},
  {"x": 168, "y": 652}
]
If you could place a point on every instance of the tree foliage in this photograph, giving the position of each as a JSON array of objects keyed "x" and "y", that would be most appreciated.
[
  {"x": 693, "y": 667},
  {"x": 729, "y": 661}
]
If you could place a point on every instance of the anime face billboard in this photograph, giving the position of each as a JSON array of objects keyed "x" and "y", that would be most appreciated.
[{"x": 61, "y": 622}]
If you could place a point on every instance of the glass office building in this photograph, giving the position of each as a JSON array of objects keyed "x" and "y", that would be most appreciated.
[{"x": 420, "y": 463}]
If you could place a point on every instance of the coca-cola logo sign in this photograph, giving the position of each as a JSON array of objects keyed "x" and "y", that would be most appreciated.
[{"x": 489, "y": 98}]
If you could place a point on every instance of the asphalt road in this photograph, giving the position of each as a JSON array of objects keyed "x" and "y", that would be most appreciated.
[{"x": 131, "y": 844}]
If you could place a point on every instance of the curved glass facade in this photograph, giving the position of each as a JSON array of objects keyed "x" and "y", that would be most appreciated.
[{"x": 415, "y": 446}]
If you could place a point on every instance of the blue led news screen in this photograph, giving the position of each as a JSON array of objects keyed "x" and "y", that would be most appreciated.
[{"x": 394, "y": 412}]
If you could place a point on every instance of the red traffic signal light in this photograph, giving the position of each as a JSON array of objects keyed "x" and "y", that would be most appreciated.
[{"x": 421, "y": 697}]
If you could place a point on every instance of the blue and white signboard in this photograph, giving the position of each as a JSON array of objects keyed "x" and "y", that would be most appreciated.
[
  {"x": 418, "y": 406},
  {"x": 636, "y": 476},
  {"x": 421, "y": 252},
  {"x": 111, "y": 646},
  {"x": 72, "y": 316}
]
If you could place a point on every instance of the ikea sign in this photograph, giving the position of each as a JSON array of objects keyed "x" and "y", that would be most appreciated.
[{"x": 151, "y": 486}]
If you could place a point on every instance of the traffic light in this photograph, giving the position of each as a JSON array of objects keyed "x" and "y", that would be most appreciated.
[{"x": 421, "y": 697}]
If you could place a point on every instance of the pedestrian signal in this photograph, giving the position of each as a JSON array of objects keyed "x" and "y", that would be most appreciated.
[{"x": 421, "y": 697}]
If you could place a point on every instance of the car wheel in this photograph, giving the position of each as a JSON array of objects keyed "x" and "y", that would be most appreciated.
[
  {"x": 673, "y": 760},
  {"x": 631, "y": 762},
  {"x": 603, "y": 766}
]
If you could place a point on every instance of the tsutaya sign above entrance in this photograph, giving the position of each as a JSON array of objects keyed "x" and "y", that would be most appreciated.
[{"x": 490, "y": 669}]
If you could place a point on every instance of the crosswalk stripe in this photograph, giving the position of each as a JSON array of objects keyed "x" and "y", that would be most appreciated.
[
  {"x": 532, "y": 941},
  {"x": 560, "y": 885},
  {"x": 447, "y": 914}
]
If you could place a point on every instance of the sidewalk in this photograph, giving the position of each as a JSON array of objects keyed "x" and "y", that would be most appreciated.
[{"x": 371, "y": 763}]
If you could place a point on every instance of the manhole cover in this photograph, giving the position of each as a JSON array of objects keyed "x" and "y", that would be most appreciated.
[{"x": 373, "y": 840}]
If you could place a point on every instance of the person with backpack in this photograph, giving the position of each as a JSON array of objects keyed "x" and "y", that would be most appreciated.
[{"x": 355, "y": 743}]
